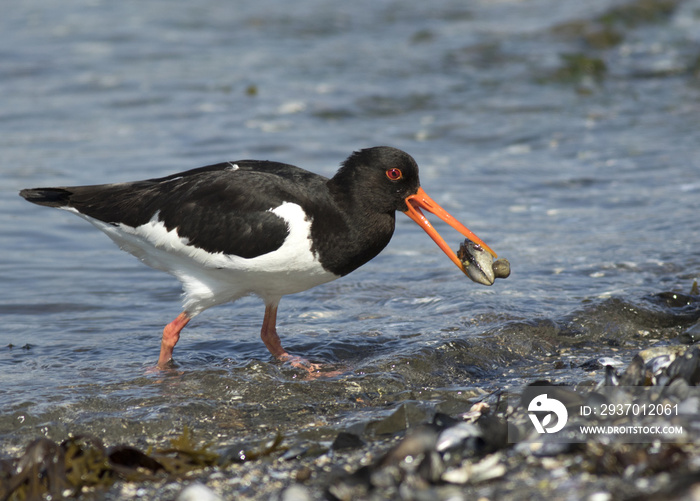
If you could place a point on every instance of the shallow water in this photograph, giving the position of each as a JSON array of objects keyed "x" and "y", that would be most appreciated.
[{"x": 589, "y": 187}]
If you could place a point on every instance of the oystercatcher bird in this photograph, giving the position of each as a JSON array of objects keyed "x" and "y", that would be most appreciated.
[{"x": 257, "y": 227}]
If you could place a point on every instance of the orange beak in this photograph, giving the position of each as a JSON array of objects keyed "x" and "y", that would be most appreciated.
[{"x": 421, "y": 200}]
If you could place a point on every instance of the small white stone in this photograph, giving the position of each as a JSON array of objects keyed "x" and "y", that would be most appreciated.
[{"x": 198, "y": 492}]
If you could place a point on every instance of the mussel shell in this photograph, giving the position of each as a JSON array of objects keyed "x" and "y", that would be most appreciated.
[
  {"x": 477, "y": 262},
  {"x": 479, "y": 265},
  {"x": 480, "y": 275}
]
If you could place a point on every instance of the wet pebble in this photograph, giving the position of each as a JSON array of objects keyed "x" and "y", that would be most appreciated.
[
  {"x": 198, "y": 492},
  {"x": 686, "y": 367},
  {"x": 635, "y": 374},
  {"x": 295, "y": 493},
  {"x": 404, "y": 416},
  {"x": 302, "y": 450},
  {"x": 474, "y": 472},
  {"x": 456, "y": 435},
  {"x": 656, "y": 351},
  {"x": 594, "y": 364},
  {"x": 691, "y": 335},
  {"x": 419, "y": 441},
  {"x": 659, "y": 364},
  {"x": 345, "y": 441}
]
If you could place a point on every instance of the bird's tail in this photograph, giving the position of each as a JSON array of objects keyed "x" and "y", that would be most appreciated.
[{"x": 50, "y": 197}]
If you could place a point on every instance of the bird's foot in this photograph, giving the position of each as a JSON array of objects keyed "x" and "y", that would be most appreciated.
[
  {"x": 312, "y": 370},
  {"x": 160, "y": 368},
  {"x": 299, "y": 362}
]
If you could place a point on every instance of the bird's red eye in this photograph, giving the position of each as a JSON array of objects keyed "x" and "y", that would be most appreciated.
[{"x": 394, "y": 174}]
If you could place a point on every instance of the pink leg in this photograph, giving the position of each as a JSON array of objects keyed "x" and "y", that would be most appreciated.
[
  {"x": 268, "y": 333},
  {"x": 171, "y": 334}
]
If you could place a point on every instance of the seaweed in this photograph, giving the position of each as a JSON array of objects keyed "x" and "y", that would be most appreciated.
[
  {"x": 580, "y": 66},
  {"x": 587, "y": 69},
  {"x": 83, "y": 462},
  {"x": 184, "y": 455}
]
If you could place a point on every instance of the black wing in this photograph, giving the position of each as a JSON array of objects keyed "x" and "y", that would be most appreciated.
[{"x": 218, "y": 208}]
